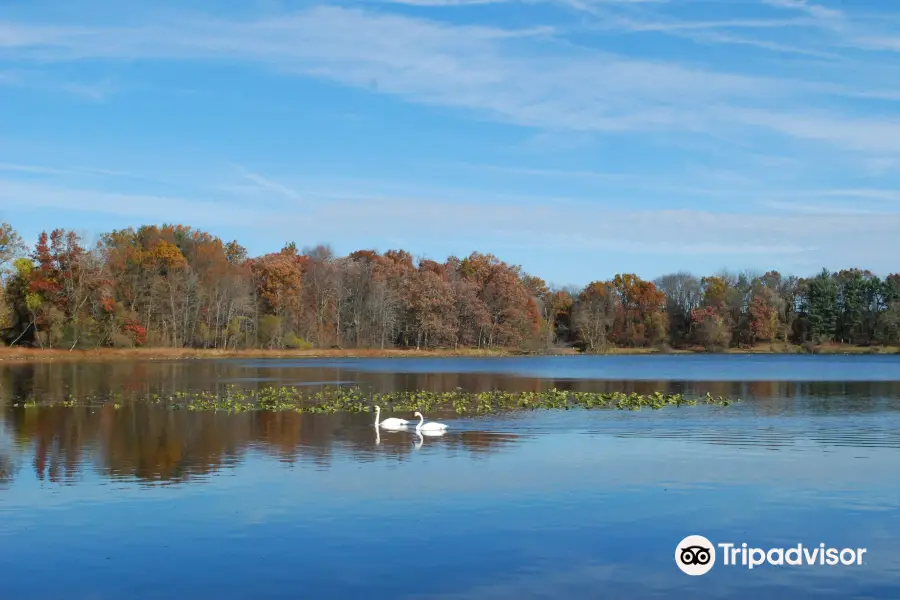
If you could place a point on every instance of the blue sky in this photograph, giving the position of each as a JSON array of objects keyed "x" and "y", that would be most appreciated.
[{"x": 578, "y": 138}]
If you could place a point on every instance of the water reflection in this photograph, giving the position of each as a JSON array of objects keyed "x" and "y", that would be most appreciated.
[
  {"x": 525, "y": 505},
  {"x": 429, "y": 433},
  {"x": 141, "y": 379},
  {"x": 7, "y": 468},
  {"x": 151, "y": 444}
]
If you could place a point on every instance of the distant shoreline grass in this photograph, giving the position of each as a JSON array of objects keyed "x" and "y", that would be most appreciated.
[{"x": 113, "y": 354}]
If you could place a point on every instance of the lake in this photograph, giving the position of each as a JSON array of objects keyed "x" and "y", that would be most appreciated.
[{"x": 139, "y": 501}]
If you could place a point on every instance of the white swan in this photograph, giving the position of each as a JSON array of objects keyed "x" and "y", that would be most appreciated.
[
  {"x": 433, "y": 426},
  {"x": 392, "y": 423}
]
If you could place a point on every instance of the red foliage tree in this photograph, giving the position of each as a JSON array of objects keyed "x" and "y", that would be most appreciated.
[{"x": 642, "y": 320}]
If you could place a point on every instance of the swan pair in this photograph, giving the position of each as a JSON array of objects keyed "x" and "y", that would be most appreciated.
[{"x": 395, "y": 423}]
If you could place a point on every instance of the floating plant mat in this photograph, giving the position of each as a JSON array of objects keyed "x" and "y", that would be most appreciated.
[{"x": 355, "y": 399}]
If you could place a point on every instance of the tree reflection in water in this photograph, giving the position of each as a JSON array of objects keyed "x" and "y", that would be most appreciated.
[{"x": 152, "y": 444}]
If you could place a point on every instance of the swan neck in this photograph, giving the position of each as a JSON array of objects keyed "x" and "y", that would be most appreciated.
[
  {"x": 377, "y": 415},
  {"x": 421, "y": 420}
]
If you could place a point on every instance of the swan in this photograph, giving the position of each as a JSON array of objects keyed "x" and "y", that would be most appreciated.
[
  {"x": 392, "y": 423},
  {"x": 433, "y": 426}
]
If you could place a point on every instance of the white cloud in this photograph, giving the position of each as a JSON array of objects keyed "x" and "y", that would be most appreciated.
[
  {"x": 879, "y": 135},
  {"x": 871, "y": 194},
  {"x": 572, "y": 226},
  {"x": 27, "y": 196},
  {"x": 677, "y": 25},
  {"x": 819, "y": 209},
  {"x": 816, "y": 10},
  {"x": 796, "y": 84},
  {"x": 717, "y": 37},
  {"x": 267, "y": 185},
  {"x": 526, "y": 77},
  {"x": 443, "y": 3},
  {"x": 96, "y": 91},
  {"x": 570, "y": 95},
  {"x": 37, "y": 169},
  {"x": 875, "y": 42}
]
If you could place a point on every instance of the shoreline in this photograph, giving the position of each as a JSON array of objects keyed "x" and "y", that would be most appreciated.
[{"x": 29, "y": 355}]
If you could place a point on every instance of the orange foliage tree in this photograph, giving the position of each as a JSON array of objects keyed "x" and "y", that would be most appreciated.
[
  {"x": 642, "y": 320},
  {"x": 171, "y": 285}
]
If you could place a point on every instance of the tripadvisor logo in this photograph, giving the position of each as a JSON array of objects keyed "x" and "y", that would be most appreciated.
[{"x": 696, "y": 555}]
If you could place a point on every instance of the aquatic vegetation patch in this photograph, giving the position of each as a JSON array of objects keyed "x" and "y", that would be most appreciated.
[{"x": 234, "y": 399}]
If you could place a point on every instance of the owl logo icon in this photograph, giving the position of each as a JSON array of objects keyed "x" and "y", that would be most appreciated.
[{"x": 695, "y": 555}]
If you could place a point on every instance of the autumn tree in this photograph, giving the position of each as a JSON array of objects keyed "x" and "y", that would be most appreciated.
[
  {"x": 23, "y": 304},
  {"x": 784, "y": 295},
  {"x": 11, "y": 246},
  {"x": 683, "y": 294},
  {"x": 58, "y": 288},
  {"x": 642, "y": 320},
  {"x": 431, "y": 305},
  {"x": 514, "y": 313},
  {"x": 762, "y": 316},
  {"x": 711, "y": 323},
  {"x": 176, "y": 286},
  {"x": 359, "y": 318},
  {"x": 172, "y": 285},
  {"x": 557, "y": 308},
  {"x": 710, "y": 328},
  {"x": 384, "y": 304},
  {"x": 277, "y": 282},
  {"x": 473, "y": 319},
  {"x": 540, "y": 292},
  {"x": 595, "y": 314},
  {"x": 739, "y": 295}
]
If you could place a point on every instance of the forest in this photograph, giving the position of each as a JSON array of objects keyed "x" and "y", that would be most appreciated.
[{"x": 173, "y": 286}]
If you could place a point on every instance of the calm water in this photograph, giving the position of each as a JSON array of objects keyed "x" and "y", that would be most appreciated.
[{"x": 142, "y": 502}]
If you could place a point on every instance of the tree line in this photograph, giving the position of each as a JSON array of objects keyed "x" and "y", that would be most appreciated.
[{"x": 174, "y": 286}]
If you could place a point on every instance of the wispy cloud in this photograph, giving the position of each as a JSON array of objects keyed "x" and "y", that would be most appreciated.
[
  {"x": 20, "y": 168},
  {"x": 96, "y": 91},
  {"x": 869, "y": 194},
  {"x": 816, "y": 10},
  {"x": 794, "y": 229},
  {"x": 680, "y": 25},
  {"x": 267, "y": 185},
  {"x": 877, "y": 42},
  {"x": 881, "y": 135},
  {"x": 76, "y": 171},
  {"x": 819, "y": 209},
  {"x": 577, "y": 4},
  {"x": 29, "y": 196},
  {"x": 517, "y": 76},
  {"x": 791, "y": 114},
  {"x": 443, "y": 3}
]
